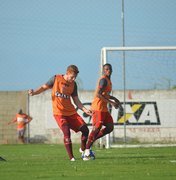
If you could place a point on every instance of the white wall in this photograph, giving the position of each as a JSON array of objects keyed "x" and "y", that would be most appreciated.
[{"x": 151, "y": 117}]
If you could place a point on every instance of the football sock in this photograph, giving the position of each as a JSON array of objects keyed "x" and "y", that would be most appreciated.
[
  {"x": 85, "y": 132},
  {"x": 102, "y": 133},
  {"x": 68, "y": 146},
  {"x": 67, "y": 141},
  {"x": 92, "y": 138}
]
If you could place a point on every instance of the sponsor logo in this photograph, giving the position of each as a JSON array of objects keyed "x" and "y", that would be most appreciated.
[
  {"x": 57, "y": 94},
  {"x": 137, "y": 113}
]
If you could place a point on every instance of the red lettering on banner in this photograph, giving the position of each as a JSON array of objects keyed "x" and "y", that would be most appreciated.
[{"x": 147, "y": 130}]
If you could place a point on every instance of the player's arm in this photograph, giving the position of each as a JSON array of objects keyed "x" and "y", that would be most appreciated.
[
  {"x": 81, "y": 106},
  {"x": 39, "y": 90},
  {"x": 29, "y": 119},
  {"x": 43, "y": 88},
  {"x": 12, "y": 121},
  {"x": 78, "y": 103},
  {"x": 107, "y": 99},
  {"x": 102, "y": 85},
  {"x": 116, "y": 101}
]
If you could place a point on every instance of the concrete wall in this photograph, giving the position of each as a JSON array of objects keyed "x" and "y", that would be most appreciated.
[
  {"x": 44, "y": 127},
  {"x": 154, "y": 121},
  {"x": 10, "y": 103},
  {"x": 150, "y": 115}
]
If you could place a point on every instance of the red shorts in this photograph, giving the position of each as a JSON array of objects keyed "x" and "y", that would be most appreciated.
[
  {"x": 101, "y": 118},
  {"x": 21, "y": 132},
  {"x": 75, "y": 122}
]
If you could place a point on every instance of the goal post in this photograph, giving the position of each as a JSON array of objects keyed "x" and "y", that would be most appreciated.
[{"x": 105, "y": 59}]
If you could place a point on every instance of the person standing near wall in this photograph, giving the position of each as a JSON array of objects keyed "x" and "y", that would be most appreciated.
[
  {"x": 22, "y": 120},
  {"x": 64, "y": 88}
]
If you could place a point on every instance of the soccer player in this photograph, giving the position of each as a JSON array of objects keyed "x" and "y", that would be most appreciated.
[
  {"x": 101, "y": 116},
  {"x": 64, "y": 88},
  {"x": 2, "y": 159},
  {"x": 22, "y": 120}
]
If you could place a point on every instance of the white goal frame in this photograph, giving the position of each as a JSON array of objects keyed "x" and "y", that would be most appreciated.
[{"x": 104, "y": 60}]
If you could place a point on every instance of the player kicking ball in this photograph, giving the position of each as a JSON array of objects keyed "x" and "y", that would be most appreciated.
[
  {"x": 101, "y": 116},
  {"x": 64, "y": 88}
]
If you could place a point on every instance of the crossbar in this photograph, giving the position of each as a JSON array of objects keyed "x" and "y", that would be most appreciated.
[{"x": 145, "y": 48}]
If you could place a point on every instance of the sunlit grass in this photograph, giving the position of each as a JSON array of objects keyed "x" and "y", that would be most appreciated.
[{"x": 51, "y": 162}]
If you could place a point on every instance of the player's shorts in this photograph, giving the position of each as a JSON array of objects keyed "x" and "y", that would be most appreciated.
[
  {"x": 75, "y": 122},
  {"x": 100, "y": 118},
  {"x": 21, "y": 132}
]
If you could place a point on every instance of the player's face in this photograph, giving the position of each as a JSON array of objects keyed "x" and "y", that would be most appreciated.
[
  {"x": 71, "y": 76},
  {"x": 107, "y": 70}
]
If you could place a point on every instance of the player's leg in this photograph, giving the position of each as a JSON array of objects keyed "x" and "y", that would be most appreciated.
[
  {"x": 88, "y": 153},
  {"x": 22, "y": 139},
  {"x": 92, "y": 136},
  {"x": 21, "y": 136},
  {"x": 64, "y": 126},
  {"x": 108, "y": 123},
  {"x": 97, "y": 119},
  {"x": 77, "y": 124},
  {"x": 85, "y": 132},
  {"x": 108, "y": 129},
  {"x": 67, "y": 140}
]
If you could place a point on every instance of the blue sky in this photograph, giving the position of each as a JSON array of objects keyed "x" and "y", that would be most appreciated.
[{"x": 40, "y": 38}]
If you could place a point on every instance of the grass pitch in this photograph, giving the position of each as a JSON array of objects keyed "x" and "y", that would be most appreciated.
[{"x": 49, "y": 162}]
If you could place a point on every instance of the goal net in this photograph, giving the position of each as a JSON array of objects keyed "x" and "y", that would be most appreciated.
[{"x": 144, "y": 80}]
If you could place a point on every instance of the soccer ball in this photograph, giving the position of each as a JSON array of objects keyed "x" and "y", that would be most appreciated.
[{"x": 90, "y": 157}]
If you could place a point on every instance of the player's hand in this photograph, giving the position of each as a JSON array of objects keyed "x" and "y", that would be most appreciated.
[
  {"x": 31, "y": 92},
  {"x": 88, "y": 112},
  {"x": 115, "y": 105},
  {"x": 121, "y": 110}
]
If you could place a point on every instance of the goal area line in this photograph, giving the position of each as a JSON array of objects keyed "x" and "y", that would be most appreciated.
[{"x": 141, "y": 145}]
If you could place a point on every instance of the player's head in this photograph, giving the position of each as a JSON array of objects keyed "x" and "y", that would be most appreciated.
[
  {"x": 20, "y": 111},
  {"x": 107, "y": 69},
  {"x": 71, "y": 73}
]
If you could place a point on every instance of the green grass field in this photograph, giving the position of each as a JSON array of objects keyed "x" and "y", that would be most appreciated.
[{"x": 51, "y": 162}]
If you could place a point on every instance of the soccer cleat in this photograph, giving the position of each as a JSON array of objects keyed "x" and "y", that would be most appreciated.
[
  {"x": 88, "y": 155},
  {"x": 80, "y": 150},
  {"x": 86, "y": 158},
  {"x": 92, "y": 154},
  {"x": 87, "y": 152},
  {"x": 73, "y": 159},
  {"x": 83, "y": 156},
  {"x": 82, "y": 153}
]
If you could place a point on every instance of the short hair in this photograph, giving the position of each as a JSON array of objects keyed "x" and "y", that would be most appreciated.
[
  {"x": 20, "y": 111},
  {"x": 109, "y": 65},
  {"x": 73, "y": 68}
]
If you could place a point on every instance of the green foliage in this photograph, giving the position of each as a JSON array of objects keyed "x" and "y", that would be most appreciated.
[{"x": 51, "y": 162}]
